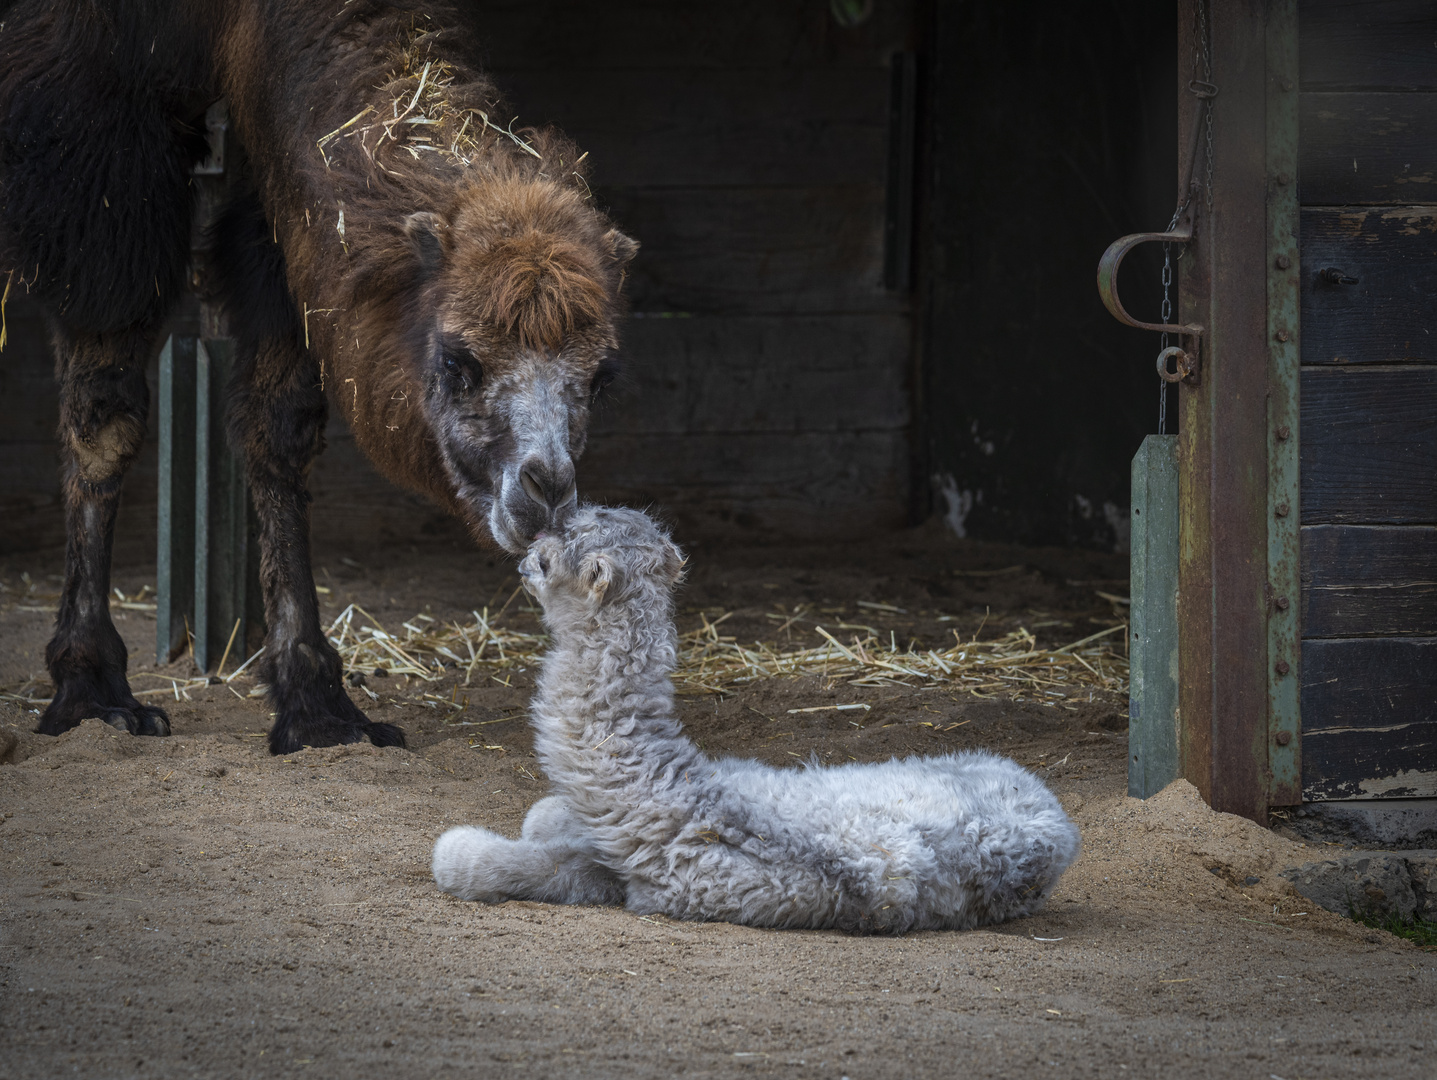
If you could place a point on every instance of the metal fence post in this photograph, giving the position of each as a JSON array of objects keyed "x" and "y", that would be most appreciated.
[{"x": 1153, "y": 760}]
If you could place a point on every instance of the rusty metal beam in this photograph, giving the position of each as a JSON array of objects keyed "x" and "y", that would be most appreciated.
[
  {"x": 1284, "y": 542},
  {"x": 1223, "y": 558}
]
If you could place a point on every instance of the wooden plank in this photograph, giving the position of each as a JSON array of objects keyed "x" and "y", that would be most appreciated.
[
  {"x": 698, "y": 126},
  {"x": 175, "y": 561},
  {"x": 1368, "y": 148},
  {"x": 1372, "y": 684},
  {"x": 1366, "y": 580},
  {"x": 353, "y": 505},
  {"x": 1153, "y": 761},
  {"x": 1388, "y": 316},
  {"x": 1347, "y": 764},
  {"x": 552, "y": 35},
  {"x": 900, "y": 177},
  {"x": 1367, "y": 44},
  {"x": 751, "y": 250},
  {"x": 766, "y": 373},
  {"x": 1369, "y": 445},
  {"x": 809, "y": 485}
]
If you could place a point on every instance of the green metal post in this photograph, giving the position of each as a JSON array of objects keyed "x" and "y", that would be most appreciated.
[
  {"x": 174, "y": 590},
  {"x": 1153, "y": 760},
  {"x": 222, "y": 517}
]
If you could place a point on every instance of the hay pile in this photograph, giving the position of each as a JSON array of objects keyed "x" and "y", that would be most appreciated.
[
  {"x": 714, "y": 663},
  {"x": 468, "y": 652}
]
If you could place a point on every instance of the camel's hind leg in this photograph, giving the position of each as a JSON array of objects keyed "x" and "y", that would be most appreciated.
[{"x": 104, "y": 402}]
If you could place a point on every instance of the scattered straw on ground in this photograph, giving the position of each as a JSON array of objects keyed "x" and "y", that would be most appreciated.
[
  {"x": 710, "y": 662},
  {"x": 430, "y": 650}
]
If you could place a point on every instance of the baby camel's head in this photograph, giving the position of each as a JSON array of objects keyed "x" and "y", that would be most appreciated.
[{"x": 605, "y": 556}]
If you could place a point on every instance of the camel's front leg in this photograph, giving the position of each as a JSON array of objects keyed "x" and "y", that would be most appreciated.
[
  {"x": 104, "y": 402},
  {"x": 277, "y": 420}
]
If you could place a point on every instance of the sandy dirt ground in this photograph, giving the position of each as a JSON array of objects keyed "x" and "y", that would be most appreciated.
[{"x": 192, "y": 906}]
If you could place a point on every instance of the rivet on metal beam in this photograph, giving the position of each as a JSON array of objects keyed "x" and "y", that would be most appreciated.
[
  {"x": 1283, "y": 262},
  {"x": 1282, "y": 603},
  {"x": 1280, "y": 509},
  {"x": 1284, "y": 178},
  {"x": 1283, "y": 335},
  {"x": 1284, "y": 433},
  {"x": 1284, "y": 737},
  {"x": 1283, "y": 667}
]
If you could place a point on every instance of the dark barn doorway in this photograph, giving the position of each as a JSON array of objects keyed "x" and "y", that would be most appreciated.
[{"x": 862, "y": 299}]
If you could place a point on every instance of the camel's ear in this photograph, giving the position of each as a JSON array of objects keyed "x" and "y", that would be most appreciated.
[
  {"x": 597, "y": 572},
  {"x": 622, "y": 248},
  {"x": 425, "y": 230},
  {"x": 674, "y": 563}
]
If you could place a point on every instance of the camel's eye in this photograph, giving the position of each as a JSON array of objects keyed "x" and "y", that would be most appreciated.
[
  {"x": 607, "y": 373},
  {"x": 460, "y": 369},
  {"x": 543, "y": 564}
]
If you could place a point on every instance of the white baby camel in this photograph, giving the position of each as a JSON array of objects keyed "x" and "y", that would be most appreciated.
[{"x": 641, "y": 816}]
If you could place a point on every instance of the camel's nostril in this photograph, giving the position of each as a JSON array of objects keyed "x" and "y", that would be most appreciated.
[
  {"x": 549, "y": 488},
  {"x": 532, "y": 487}
]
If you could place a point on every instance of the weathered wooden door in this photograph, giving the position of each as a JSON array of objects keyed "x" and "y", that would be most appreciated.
[
  {"x": 1307, "y": 460},
  {"x": 1367, "y": 136}
]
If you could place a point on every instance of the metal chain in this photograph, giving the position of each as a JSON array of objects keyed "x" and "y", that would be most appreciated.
[
  {"x": 1209, "y": 92},
  {"x": 1205, "y": 91},
  {"x": 1167, "y": 311}
]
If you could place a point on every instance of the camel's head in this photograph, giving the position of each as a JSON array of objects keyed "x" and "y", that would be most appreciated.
[
  {"x": 524, "y": 278},
  {"x": 604, "y": 556}
]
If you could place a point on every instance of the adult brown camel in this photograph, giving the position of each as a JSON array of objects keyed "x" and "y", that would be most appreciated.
[{"x": 395, "y": 248}]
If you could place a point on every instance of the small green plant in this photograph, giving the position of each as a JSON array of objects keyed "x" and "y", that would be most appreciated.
[{"x": 1421, "y": 932}]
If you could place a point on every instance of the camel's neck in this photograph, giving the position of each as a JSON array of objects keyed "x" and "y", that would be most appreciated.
[
  {"x": 605, "y": 703},
  {"x": 308, "y": 100}
]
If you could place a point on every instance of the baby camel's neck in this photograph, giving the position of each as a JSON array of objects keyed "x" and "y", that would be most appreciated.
[{"x": 610, "y": 674}]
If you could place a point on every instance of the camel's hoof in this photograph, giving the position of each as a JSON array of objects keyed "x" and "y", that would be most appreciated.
[
  {"x": 67, "y": 709},
  {"x": 140, "y": 720}
]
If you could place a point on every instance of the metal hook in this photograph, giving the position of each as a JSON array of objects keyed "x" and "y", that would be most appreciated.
[
  {"x": 1182, "y": 368},
  {"x": 1108, "y": 278}
]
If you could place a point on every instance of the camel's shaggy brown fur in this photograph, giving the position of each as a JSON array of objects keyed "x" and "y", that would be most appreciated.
[{"x": 394, "y": 247}]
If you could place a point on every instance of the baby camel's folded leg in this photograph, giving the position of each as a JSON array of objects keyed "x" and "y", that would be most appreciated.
[
  {"x": 578, "y": 877},
  {"x": 550, "y": 863}
]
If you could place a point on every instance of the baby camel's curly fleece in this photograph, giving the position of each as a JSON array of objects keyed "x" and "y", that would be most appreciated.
[{"x": 640, "y": 816}]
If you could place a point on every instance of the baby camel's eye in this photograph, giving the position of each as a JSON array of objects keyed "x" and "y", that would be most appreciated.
[{"x": 543, "y": 564}]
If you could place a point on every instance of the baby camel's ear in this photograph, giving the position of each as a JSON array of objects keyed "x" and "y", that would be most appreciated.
[
  {"x": 674, "y": 562},
  {"x": 597, "y": 572}
]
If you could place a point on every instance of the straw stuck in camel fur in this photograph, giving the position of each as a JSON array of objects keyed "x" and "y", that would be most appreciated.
[{"x": 641, "y": 816}]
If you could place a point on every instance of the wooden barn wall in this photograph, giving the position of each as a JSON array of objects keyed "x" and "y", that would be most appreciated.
[
  {"x": 1368, "y": 188},
  {"x": 768, "y": 372},
  {"x": 1054, "y": 129},
  {"x": 744, "y": 146}
]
